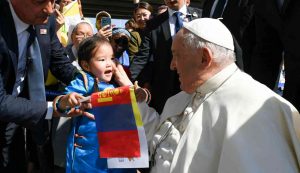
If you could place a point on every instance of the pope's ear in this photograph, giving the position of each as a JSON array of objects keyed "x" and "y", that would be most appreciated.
[
  {"x": 84, "y": 65},
  {"x": 207, "y": 56}
]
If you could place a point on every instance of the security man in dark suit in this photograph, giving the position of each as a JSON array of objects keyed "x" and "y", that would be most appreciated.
[
  {"x": 20, "y": 55},
  {"x": 237, "y": 16},
  {"x": 277, "y": 37},
  {"x": 152, "y": 63}
]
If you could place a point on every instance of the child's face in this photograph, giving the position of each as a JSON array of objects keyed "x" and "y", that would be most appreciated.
[{"x": 101, "y": 63}]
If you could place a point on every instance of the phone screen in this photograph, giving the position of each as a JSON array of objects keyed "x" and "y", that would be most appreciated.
[{"x": 105, "y": 21}]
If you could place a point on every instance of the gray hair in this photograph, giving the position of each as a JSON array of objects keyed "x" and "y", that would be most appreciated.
[
  {"x": 221, "y": 54},
  {"x": 81, "y": 23}
]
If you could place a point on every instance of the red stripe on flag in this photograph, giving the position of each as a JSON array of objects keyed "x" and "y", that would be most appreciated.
[
  {"x": 108, "y": 97},
  {"x": 119, "y": 144}
]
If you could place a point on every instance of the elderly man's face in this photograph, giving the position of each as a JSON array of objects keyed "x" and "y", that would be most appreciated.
[
  {"x": 187, "y": 63},
  {"x": 82, "y": 31},
  {"x": 33, "y": 12},
  {"x": 175, "y": 4}
]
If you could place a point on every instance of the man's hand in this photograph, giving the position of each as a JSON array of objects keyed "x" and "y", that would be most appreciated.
[
  {"x": 60, "y": 20},
  {"x": 72, "y": 103}
]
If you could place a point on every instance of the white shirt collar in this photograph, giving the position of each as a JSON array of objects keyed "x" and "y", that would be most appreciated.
[
  {"x": 214, "y": 82},
  {"x": 183, "y": 10},
  {"x": 19, "y": 24}
]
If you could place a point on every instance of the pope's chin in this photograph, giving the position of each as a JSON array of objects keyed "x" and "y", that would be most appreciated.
[{"x": 186, "y": 88}]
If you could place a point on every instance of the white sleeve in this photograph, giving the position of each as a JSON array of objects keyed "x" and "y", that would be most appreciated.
[
  {"x": 49, "y": 111},
  {"x": 150, "y": 120}
]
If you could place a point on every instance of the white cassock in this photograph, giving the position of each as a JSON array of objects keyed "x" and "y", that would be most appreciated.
[{"x": 234, "y": 125}]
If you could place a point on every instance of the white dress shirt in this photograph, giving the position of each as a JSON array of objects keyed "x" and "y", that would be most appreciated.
[{"x": 172, "y": 18}]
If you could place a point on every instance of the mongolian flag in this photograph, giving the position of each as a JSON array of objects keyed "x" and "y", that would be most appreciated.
[{"x": 117, "y": 120}]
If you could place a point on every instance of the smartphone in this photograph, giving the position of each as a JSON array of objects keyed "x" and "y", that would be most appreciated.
[{"x": 105, "y": 21}]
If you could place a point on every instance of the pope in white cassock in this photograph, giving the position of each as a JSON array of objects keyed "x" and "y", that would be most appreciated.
[{"x": 223, "y": 121}]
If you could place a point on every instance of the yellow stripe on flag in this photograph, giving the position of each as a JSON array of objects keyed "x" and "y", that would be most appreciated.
[
  {"x": 136, "y": 111},
  {"x": 107, "y": 99}
]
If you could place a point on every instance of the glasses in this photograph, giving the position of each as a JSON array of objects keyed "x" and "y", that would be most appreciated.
[
  {"x": 121, "y": 41},
  {"x": 82, "y": 35}
]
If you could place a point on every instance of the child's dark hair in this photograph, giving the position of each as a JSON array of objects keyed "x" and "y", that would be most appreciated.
[{"x": 87, "y": 47}]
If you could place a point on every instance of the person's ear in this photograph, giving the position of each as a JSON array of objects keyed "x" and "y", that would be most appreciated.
[
  {"x": 85, "y": 65},
  {"x": 206, "y": 56}
]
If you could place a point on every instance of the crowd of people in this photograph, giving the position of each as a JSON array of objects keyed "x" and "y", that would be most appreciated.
[{"x": 211, "y": 73}]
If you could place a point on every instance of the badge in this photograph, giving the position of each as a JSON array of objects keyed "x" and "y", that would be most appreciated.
[{"x": 43, "y": 31}]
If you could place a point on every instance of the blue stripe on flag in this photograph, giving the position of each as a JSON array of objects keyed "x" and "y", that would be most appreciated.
[{"x": 114, "y": 118}]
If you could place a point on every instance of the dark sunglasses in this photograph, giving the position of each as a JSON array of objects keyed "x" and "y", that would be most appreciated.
[{"x": 121, "y": 40}]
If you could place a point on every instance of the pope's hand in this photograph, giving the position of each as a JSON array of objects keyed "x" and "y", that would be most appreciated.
[{"x": 140, "y": 93}]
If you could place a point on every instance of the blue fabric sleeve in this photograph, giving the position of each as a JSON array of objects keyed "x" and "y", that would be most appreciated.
[{"x": 76, "y": 85}]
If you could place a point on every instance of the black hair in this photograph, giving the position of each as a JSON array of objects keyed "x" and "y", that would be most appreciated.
[
  {"x": 87, "y": 47},
  {"x": 144, "y": 5}
]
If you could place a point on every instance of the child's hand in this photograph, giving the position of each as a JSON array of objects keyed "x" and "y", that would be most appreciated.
[{"x": 120, "y": 75}]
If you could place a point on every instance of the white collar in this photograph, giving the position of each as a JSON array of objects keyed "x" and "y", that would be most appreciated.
[
  {"x": 214, "y": 82},
  {"x": 183, "y": 10},
  {"x": 19, "y": 24}
]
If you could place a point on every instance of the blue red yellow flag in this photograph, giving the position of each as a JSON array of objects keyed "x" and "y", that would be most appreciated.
[{"x": 117, "y": 121}]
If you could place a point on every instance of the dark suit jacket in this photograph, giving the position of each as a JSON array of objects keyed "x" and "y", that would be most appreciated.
[
  {"x": 156, "y": 50},
  {"x": 20, "y": 109},
  {"x": 278, "y": 31},
  {"x": 237, "y": 17}
]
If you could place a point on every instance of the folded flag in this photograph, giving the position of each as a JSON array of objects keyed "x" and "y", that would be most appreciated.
[{"x": 117, "y": 120}]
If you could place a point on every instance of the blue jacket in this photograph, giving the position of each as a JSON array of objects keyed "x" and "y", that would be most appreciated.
[{"x": 85, "y": 156}]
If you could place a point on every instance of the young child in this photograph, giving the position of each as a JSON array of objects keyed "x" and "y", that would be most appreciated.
[{"x": 96, "y": 58}]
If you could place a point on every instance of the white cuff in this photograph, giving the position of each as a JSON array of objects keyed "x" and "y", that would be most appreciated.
[{"x": 49, "y": 111}]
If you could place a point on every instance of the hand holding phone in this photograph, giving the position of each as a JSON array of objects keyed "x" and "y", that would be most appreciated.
[{"x": 105, "y": 21}]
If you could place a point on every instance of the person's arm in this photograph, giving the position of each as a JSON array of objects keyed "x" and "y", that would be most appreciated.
[
  {"x": 80, "y": 9},
  {"x": 142, "y": 57},
  {"x": 70, "y": 104},
  {"x": 20, "y": 110},
  {"x": 60, "y": 65}
]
